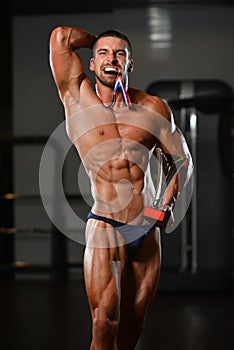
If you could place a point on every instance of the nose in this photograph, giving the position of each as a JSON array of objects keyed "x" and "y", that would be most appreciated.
[{"x": 112, "y": 57}]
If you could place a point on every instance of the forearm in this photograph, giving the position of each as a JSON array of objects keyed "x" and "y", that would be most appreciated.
[
  {"x": 171, "y": 193},
  {"x": 80, "y": 38},
  {"x": 72, "y": 38},
  {"x": 184, "y": 169}
]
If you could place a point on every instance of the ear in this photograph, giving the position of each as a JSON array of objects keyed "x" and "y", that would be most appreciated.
[
  {"x": 91, "y": 64},
  {"x": 130, "y": 65}
]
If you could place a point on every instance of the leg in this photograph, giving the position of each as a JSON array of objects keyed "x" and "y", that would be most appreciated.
[
  {"x": 141, "y": 281},
  {"x": 102, "y": 272}
]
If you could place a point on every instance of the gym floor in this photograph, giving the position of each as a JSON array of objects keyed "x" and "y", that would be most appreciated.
[{"x": 44, "y": 315}]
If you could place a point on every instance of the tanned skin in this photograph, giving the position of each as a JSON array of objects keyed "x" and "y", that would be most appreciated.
[{"x": 115, "y": 147}]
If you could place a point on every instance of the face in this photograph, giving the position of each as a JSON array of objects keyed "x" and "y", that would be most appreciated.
[{"x": 111, "y": 56}]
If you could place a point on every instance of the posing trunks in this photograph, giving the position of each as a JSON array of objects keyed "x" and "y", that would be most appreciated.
[{"x": 132, "y": 234}]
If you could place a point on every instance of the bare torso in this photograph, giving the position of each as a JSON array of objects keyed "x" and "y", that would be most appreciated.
[{"x": 114, "y": 145}]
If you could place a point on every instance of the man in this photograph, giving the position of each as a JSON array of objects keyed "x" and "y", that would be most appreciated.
[{"x": 115, "y": 129}]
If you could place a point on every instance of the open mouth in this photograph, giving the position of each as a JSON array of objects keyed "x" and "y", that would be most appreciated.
[{"x": 111, "y": 70}]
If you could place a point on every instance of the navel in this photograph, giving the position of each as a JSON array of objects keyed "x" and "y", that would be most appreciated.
[{"x": 101, "y": 132}]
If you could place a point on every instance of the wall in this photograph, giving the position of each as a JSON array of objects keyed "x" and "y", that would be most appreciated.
[
  {"x": 194, "y": 42},
  {"x": 200, "y": 45}
]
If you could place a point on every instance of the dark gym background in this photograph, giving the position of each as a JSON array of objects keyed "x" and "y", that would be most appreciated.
[{"x": 183, "y": 52}]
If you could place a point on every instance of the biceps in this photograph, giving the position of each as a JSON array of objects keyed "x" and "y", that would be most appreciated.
[
  {"x": 66, "y": 67},
  {"x": 174, "y": 143}
]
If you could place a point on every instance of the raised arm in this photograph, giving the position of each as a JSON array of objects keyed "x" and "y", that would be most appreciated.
[{"x": 66, "y": 64}]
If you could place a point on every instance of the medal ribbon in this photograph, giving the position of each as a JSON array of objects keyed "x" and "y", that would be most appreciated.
[{"x": 118, "y": 85}]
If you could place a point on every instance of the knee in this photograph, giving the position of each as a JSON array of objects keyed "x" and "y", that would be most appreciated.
[{"x": 103, "y": 327}]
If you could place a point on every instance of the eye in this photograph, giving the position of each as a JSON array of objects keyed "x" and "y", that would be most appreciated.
[
  {"x": 121, "y": 53},
  {"x": 101, "y": 52}
]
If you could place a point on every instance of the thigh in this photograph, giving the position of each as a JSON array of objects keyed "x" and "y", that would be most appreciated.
[
  {"x": 142, "y": 276},
  {"x": 139, "y": 289},
  {"x": 103, "y": 270}
]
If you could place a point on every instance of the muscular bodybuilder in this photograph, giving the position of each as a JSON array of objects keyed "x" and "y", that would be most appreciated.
[{"x": 115, "y": 129}]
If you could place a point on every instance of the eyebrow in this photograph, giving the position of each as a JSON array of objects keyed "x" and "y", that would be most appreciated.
[
  {"x": 117, "y": 51},
  {"x": 101, "y": 49},
  {"x": 121, "y": 50}
]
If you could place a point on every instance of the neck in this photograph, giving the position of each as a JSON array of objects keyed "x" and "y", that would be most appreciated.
[{"x": 117, "y": 94}]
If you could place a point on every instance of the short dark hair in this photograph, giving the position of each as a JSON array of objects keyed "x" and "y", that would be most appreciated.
[{"x": 115, "y": 33}]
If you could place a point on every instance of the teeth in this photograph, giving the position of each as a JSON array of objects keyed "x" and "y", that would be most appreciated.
[{"x": 111, "y": 69}]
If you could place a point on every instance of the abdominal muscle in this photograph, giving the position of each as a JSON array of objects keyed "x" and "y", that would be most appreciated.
[{"x": 117, "y": 192}]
